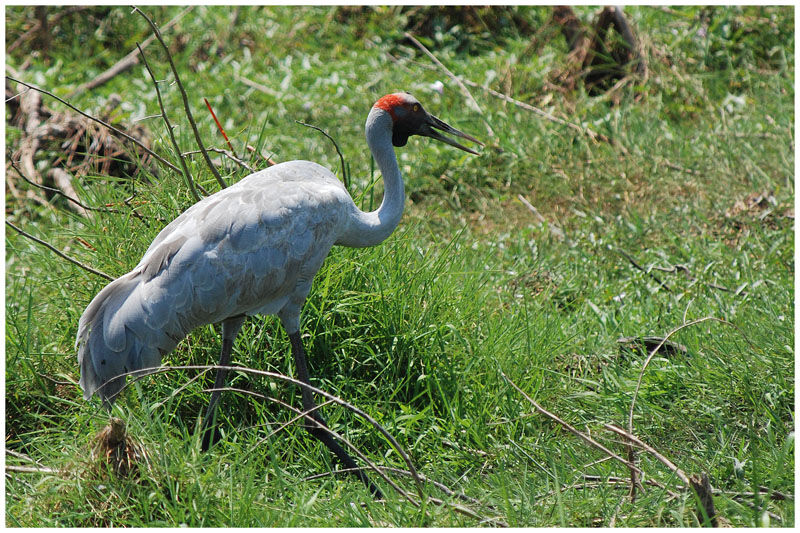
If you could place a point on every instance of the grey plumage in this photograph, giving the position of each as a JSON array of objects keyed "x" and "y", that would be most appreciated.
[{"x": 252, "y": 248}]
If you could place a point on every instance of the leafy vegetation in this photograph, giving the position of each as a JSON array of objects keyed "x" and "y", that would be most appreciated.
[{"x": 686, "y": 214}]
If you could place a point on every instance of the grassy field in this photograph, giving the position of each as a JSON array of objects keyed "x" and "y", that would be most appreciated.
[{"x": 683, "y": 221}]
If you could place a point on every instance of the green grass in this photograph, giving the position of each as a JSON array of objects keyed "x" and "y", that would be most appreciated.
[{"x": 417, "y": 331}]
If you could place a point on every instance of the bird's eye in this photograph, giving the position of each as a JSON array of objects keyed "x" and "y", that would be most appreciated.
[{"x": 416, "y": 108}]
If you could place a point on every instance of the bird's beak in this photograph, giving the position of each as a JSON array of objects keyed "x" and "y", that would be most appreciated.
[{"x": 432, "y": 122}]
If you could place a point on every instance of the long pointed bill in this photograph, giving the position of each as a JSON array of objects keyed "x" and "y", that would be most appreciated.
[{"x": 434, "y": 122}]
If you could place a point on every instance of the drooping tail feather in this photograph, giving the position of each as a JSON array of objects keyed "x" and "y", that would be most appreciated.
[{"x": 107, "y": 342}]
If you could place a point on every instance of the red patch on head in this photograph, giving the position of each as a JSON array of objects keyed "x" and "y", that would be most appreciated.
[{"x": 389, "y": 102}]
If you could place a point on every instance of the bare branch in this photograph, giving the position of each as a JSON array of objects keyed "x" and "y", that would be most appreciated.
[
  {"x": 185, "y": 98},
  {"x": 470, "y": 99},
  {"x": 658, "y": 347},
  {"x": 60, "y": 253},
  {"x": 345, "y": 177},
  {"x": 139, "y": 374},
  {"x": 323, "y": 427},
  {"x": 109, "y": 126},
  {"x": 227, "y": 154},
  {"x": 187, "y": 176},
  {"x": 649, "y": 449},
  {"x": 571, "y": 429}
]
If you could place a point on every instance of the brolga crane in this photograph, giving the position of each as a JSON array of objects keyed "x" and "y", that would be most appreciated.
[{"x": 252, "y": 248}]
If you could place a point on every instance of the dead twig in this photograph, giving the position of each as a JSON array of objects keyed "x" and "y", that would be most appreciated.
[
  {"x": 555, "y": 230},
  {"x": 346, "y": 178},
  {"x": 584, "y": 437},
  {"x": 658, "y": 347},
  {"x": 227, "y": 154},
  {"x": 30, "y": 469},
  {"x": 470, "y": 99},
  {"x": 101, "y": 122},
  {"x": 185, "y": 99},
  {"x": 187, "y": 176},
  {"x": 307, "y": 415},
  {"x": 60, "y": 253},
  {"x": 636, "y": 265},
  {"x": 638, "y": 442},
  {"x": 139, "y": 374},
  {"x": 75, "y": 199},
  {"x": 595, "y": 136},
  {"x": 63, "y": 182}
]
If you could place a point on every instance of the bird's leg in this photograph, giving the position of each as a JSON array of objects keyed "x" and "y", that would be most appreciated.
[
  {"x": 230, "y": 328},
  {"x": 318, "y": 432}
]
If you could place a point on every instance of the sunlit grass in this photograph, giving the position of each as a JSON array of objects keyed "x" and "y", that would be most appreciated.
[{"x": 418, "y": 330}]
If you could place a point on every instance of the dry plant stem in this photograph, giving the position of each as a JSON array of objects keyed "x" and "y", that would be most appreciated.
[
  {"x": 585, "y": 131},
  {"x": 61, "y": 193},
  {"x": 185, "y": 99},
  {"x": 326, "y": 429},
  {"x": 139, "y": 374},
  {"x": 657, "y": 348},
  {"x": 336, "y": 145},
  {"x": 105, "y": 124},
  {"x": 126, "y": 62},
  {"x": 570, "y": 428},
  {"x": 63, "y": 181},
  {"x": 441, "y": 486},
  {"x": 60, "y": 253},
  {"x": 436, "y": 501},
  {"x": 636, "y": 265},
  {"x": 473, "y": 104},
  {"x": 186, "y": 175},
  {"x": 219, "y": 126},
  {"x": 227, "y": 154},
  {"x": 555, "y": 230},
  {"x": 649, "y": 449},
  {"x": 30, "y": 469}
]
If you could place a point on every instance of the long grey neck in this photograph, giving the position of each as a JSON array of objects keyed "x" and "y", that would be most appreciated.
[{"x": 369, "y": 229}]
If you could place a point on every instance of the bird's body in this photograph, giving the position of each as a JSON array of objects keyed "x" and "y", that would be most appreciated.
[{"x": 252, "y": 248}]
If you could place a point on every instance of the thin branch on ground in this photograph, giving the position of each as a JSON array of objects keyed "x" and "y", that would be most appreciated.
[
  {"x": 306, "y": 414},
  {"x": 470, "y": 99},
  {"x": 187, "y": 176},
  {"x": 658, "y": 347},
  {"x": 101, "y": 122},
  {"x": 555, "y": 230},
  {"x": 60, "y": 253},
  {"x": 30, "y": 469},
  {"x": 652, "y": 451},
  {"x": 636, "y": 265},
  {"x": 595, "y": 136},
  {"x": 139, "y": 374},
  {"x": 586, "y": 438},
  {"x": 60, "y": 192},
  {"x": 185, "y": 99},
  {"x": 441, "y": 486}
]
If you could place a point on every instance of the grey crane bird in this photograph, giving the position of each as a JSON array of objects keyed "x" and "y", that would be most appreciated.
[{"x": 252, "y": 248}]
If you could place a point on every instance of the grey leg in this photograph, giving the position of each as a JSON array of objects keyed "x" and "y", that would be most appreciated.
[
  {"x": 230, "y": 328},
  {"x": 319, "y": 433}
]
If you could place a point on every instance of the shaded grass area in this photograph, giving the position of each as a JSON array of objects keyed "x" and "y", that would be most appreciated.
[{"x": 417, "y": 331}]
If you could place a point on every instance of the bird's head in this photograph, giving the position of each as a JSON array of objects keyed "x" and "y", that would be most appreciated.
[{"x": 409, "y": 118}]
